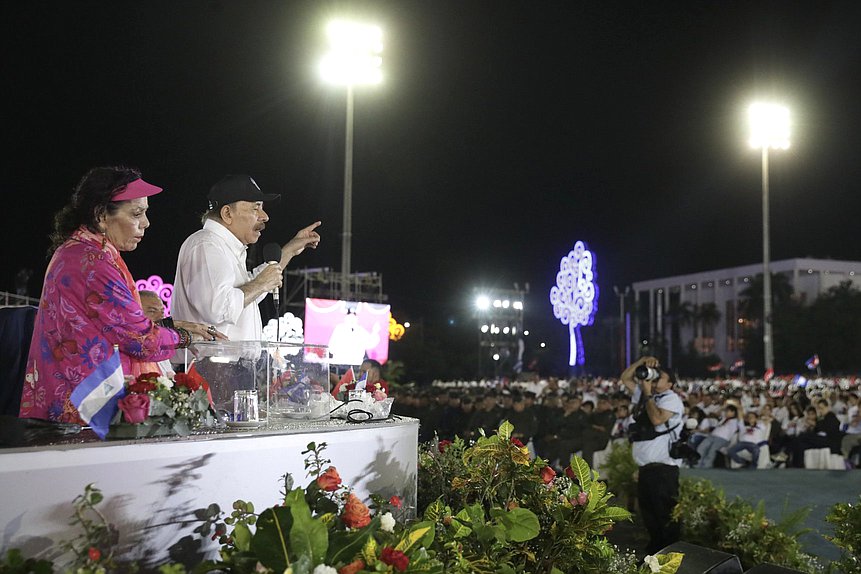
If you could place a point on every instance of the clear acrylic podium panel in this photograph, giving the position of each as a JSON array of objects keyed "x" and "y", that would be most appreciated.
[{"x": 291, "y": 380}]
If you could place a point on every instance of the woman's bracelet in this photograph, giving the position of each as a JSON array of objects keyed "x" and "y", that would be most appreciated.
[{"x": 184, "y": 338}]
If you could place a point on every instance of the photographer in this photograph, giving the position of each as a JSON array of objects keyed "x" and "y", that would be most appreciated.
[{"x": 658, "y": 422}]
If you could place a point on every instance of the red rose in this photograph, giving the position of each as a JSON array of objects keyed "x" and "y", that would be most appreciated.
[
  {"x": 141, "y": 387},
  {"x": 570, "y": 473},
  {"x": 356, "y": 514},
  {"x": 395, "y": 558},
  {"x": 516, "y": 442},
  {"x": 94, "y": 554},
  {"x": 329, "y": 481},
  {"x": 183, "y": 380},
  {"x": 443, "y": 444},
  {"x": 135, "y": 407},
  {"x": 547, "y": 474},
  {"x": 352, "y": 567},
  {"x": 396, "y": 502}
]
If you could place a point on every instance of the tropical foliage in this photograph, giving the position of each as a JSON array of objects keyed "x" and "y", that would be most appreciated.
[
  {"x": 734, "y": 526},
  {"x": 496, "y": 510}
]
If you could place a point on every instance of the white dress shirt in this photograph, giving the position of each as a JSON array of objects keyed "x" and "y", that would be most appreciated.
[{"x": 209, "y": 271}]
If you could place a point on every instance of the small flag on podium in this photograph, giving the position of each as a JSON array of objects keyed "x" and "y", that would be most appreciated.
[
  {"x": 769, "y": 374},
  {"x": 812, "y": 363},
  {"x": 96, "y": 396}
]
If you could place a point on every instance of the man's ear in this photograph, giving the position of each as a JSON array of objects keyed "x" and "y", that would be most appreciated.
[{"x": 226, "y": 213}]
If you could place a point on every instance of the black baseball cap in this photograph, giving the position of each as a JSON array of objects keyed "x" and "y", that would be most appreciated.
[{"x": 234, "y": 188}]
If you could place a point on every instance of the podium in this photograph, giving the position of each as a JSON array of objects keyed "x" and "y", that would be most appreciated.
[{"x": 286, "y": 380}]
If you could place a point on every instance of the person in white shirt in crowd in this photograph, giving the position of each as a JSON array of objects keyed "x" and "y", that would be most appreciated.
[
  {"x": 751, "y": 436},
  {"x": 781, "y": 411},
  {"x": 213, "y": 285},
  {"x": 720, "y": 436},
  {"x": 852, "y": 439}
]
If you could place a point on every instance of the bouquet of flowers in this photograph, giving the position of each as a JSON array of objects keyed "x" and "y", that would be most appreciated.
[
  {"x": 158, "y": 405},
  {"x": 323, "y": 528}
]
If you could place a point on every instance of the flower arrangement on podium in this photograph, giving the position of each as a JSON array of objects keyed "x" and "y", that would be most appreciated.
[
  {"x": 323, "y": 528},
  {"x": 158, "y": 405}
]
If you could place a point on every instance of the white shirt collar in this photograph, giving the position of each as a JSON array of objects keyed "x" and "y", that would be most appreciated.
[{"x": 236, "y": 247}]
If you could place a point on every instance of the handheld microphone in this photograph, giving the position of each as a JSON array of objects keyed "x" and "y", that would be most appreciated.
[{"x": 272, "y": 254}]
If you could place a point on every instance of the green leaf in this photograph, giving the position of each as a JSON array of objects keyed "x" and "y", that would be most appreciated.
[
  {"x": 582, "y": 470},
  {"x": 522, "y": 524},
  {"x": 435, "y": 510},
  {"x": 343, "y": 545},
  {"x": 419, "y": 532},
  {"x": 556, "y": 570},
  {"x": 302, "y": 565},
  {"x": 242, "y": 537},
  {"x": 670, "y": 563},
  {"x": 505, "y": 430},
  {"x": 270, "y": 539},
  {"x": 459, "y": 525},
  {"x": 616, "y": 513},
  {"x": 307, "y": 536}
]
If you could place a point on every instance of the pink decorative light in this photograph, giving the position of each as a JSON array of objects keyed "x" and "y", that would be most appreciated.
[{"x": 157, "y": 284}]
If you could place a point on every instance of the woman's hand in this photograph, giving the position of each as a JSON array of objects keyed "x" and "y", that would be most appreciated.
[{"x": 201, "y": 332}]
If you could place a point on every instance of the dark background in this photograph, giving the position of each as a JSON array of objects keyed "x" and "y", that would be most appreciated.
[{"x": 503, "y": 132}]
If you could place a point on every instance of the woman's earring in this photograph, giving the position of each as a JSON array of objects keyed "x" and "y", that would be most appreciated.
[{"x": 104, "y": 239}]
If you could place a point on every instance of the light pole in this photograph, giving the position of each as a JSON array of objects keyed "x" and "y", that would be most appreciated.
[
  {"x": 769, "y": 128},
  {"x": 353, "y": 59},
  {"x": 624, "y": 350}
]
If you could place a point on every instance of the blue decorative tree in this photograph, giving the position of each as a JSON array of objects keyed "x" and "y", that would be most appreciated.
[{"x": 575, "y": 296}]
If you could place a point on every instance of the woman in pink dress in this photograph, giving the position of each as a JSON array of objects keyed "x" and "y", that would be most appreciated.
[{"x": 89, "y": 301}]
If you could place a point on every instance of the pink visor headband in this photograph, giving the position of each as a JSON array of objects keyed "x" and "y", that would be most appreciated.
[{"x": 136, "y": 189}]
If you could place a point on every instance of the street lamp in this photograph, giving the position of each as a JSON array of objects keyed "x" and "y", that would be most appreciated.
[
  {"x": 353, "y": 59},
  {"x": 769, "y": 128}
]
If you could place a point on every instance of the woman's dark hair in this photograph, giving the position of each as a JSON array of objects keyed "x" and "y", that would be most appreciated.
[{"x": 91, "y": 197}]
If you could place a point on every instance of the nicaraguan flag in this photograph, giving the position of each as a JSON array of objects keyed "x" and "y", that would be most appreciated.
[
  {"x": 812, "y": 362},
  {"x": 362, "y": 383},
  {"x": 96, "y": 396}
]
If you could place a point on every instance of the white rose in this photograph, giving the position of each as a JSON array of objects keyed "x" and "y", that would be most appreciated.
[
  {"x": 652, "y": 563},
  {"x": 165, "y": 382},
  {"x": 387, "y": 522},
  {"x": 323, "y": 569}
]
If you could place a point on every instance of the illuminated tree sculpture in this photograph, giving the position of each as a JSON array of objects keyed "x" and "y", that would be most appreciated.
[{"x": 575, "y": 296}]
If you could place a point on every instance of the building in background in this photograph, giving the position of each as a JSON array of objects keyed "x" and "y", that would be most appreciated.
[{"x": 703, "y": 308}]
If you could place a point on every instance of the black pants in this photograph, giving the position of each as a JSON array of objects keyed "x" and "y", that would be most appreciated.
[{"x": 658, "y": 493}]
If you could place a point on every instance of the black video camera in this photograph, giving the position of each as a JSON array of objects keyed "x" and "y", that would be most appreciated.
[{"x": 681, "y": 449}]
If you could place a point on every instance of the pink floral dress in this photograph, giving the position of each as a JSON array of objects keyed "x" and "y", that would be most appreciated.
[{"x": 89, "y": 304}]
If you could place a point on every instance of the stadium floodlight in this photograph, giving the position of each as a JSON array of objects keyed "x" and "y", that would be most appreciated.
[
  {"x": 482, "y": 303},
  {"x": 354, "y": 55}
]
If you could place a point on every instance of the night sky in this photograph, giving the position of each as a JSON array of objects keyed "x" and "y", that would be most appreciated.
[{"x": 503, "y": 132}]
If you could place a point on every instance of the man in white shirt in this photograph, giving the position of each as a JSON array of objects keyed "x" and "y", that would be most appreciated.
[
  {"x": 213, "y": 285},
  {"x": 658, "y": 423},
  {"x": 751, "y": 435}
]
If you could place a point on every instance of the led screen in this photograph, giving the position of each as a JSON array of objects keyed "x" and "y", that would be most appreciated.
[{"x": 352, "y": 331}]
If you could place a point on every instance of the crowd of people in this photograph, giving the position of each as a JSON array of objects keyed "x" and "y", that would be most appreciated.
[{"x": 559, "y": 417}]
